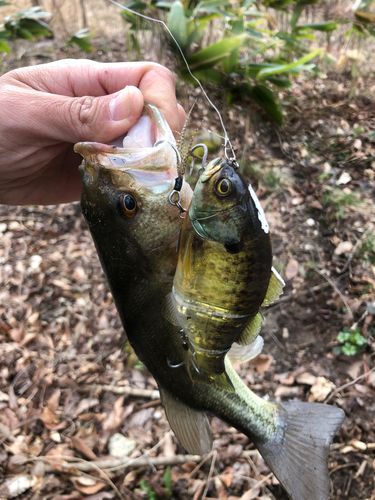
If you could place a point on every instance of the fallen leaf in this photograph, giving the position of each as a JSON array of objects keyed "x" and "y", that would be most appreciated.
[
  {"x": 88, "y": 485},
  {"x": 53, "y": 401},
  {"x": 80, "y": 445},
  {"x": 320, "y": 390},
  {"x": 343, "y": 247},
  {"x": 306, "y": 378},
  {"x": 262, "y": 362},
  {"x": 291, "y": 270},
  {"x": 344, "y": 178}
]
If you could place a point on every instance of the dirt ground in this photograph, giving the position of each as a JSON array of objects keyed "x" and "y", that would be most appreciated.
[{"x": 68, "y": 391}]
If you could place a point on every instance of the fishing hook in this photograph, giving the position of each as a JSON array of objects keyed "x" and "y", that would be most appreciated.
[
  {"x": 178, "y": 182},
  {"x": 172, "y": 146},
  {"x": 204, "y": 159},
  {"x": 175, "y": 366}
]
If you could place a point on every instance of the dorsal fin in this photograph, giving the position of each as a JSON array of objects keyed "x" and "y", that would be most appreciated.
[
  {"x": 251, "y": 331},
  {"x": 275, "y": 288}
]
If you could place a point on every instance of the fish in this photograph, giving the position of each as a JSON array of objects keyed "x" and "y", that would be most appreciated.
[
  {"x": 136, "y": 243},
  {"x": 224, "y": 272}
]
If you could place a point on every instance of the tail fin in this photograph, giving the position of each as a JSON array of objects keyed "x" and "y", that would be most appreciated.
[{"x": 299, "y": 459}]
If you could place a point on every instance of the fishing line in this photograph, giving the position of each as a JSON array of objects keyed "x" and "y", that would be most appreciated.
[{"x": 227, "y": 143}]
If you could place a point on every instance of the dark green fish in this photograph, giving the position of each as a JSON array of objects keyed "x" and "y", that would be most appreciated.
[
  {"x": 224, "y": 272},
  {"x": 135, "y": 231}
]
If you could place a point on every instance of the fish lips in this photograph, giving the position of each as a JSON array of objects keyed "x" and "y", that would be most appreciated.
[{"x": 148, "y": 145}]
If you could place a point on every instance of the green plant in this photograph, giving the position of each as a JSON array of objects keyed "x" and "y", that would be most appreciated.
[
  {"x": 26, "y": 25},
  {"x": 247, "y": 54},
  {"x": 367, "y": 248},
  {"x": 80, "y": 38},
  {"x": 338, "y": 201},
  {"x": 152, "y": 495},
  {"x": 351, "y": 340}
]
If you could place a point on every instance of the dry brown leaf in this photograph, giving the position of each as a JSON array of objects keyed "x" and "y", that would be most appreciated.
[
  {"x": 130, "y": 478},
  {"x": 49, "y": 418},
  {"x": 54, "y": 459},
  {"x": 53, "y": 401},
  {"x": 80, "y": 445},
  {"x": 320, "y": 390},
  {"x": 101, "y": 496},
  {"x": 286, "y": 378},
  {"x": 306, "y": 378},
  {"x": 84, "y": 405},
  {"x": 88, "y": 485},
  {"x": 262, "y": 362},
  {"x": 291, "y": 270}
]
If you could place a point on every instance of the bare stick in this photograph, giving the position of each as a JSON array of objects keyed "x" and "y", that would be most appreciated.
[
  {"x": 345, "y": 386},
  {"x": 106, "y": 464},
  {"x": 138, "y": 393},
  {"x": 210, "y": 474},
  {"x": 334, "y": 286}
]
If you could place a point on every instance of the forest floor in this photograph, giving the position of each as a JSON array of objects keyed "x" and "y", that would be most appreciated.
[{"x": 69, "y": 394}]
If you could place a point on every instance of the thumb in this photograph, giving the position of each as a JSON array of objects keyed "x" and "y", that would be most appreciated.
[
  {"x": 50, "y": 118},
  {"x": 101, "y": 119}
]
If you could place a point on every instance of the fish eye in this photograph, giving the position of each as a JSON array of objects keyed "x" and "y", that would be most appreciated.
[
  {"x": 223, "y": 187},
  {"x": 128, "y": 205}
]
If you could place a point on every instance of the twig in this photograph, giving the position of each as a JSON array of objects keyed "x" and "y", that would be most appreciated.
[
  {"x": 81, "y": 461},
  {"x": 351, "y": 255},
  {"x": 106, "y": 464},
  {"x": 345, "y": 386},
  {"x": 261, "y": 482},
  {"x": 138, "y": 393},
  {"x": 196, "y": 469},
  {"x": 210, "y": 474},
  {"x": 334, "y": 286}
]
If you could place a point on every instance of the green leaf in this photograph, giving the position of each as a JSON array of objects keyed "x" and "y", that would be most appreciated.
[
  {"x": 343, "y": 337},
  {"x": 266, "y": 99},
  {"x": 163, "y": 5},
  {"x": 349, "y": 349},
  {"x": 323, "y": 26},
  {"x": 167, "y": 482},
  {"x": 177, "y": 23},
  {"x": 297, "y": 11},
  {"x": 80, "y": 38},
  {"x": 279, "y": 81},
  {"x": 230, "y": 63},
  {"x": 4, "y": 47},
  {"x": 216, "y": 6},
  {"x": 211, "y": 55},
  {"x": 35, "y": 27},
  {"x": 210, "y": 75},
  {"x": 286, "y": 68}
]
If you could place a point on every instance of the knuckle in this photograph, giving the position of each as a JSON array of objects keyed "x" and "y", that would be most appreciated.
[{"x": 83, "y": 110}]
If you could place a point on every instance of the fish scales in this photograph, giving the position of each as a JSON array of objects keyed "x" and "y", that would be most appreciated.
[{"x": 293, "y": 437}]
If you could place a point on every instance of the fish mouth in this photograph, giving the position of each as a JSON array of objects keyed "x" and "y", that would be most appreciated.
[{"x": 141, "y": 147}]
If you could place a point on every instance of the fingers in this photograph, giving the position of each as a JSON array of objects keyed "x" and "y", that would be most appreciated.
[{"x": 87, "y": 101}]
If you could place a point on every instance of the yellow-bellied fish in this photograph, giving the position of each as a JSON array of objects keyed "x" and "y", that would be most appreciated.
[{"x": 224, "y": 272}]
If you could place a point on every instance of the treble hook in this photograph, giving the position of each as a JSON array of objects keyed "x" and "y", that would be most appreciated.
[{"x": 204, "y": 159}]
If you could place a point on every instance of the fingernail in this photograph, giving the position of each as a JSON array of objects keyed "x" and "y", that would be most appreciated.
[{"x": 120, "y": 106}]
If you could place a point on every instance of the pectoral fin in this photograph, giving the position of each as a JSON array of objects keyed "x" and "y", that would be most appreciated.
[
  {"x": 275, "y": 288},
  {"x": 251, "y": 331},
  {"x": 169, "y": 310},
  {"x": 240, "y": 354},
  {"x": 191, "y": 427}
]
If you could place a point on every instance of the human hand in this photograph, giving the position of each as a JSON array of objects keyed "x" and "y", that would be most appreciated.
[{"x": 46, "y": 109}]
